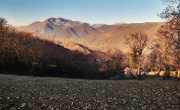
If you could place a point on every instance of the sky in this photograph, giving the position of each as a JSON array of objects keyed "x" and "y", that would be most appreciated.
[{"x": 24, "y": 12}]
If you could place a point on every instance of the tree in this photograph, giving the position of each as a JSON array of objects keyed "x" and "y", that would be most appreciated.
[
  {"x": 165, "y": 39},
  {"x": 3, "y": 23},
  {"x": 3, "y": 27},
  {"x": 137, "y": 42},
  {"x": 172, "y": 27},
  {"x": 132, "y": 60}
]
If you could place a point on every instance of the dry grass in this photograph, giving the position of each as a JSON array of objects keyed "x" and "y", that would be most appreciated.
[{"x": 23, "y": 92}]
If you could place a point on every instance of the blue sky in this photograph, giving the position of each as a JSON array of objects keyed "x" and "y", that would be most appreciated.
[{"x": 24, "y": 12}]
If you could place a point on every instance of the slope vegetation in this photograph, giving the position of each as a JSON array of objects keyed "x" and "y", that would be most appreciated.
[{"x": 26, "y": 54}]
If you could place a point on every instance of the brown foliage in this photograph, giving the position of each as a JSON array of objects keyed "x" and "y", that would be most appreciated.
[{"x": 24, "y": 53}]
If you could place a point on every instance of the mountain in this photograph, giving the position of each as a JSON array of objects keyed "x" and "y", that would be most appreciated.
[
  {"x": 97, "y": 25},
  {"x": 60, "y": 29},
  {"x": 112, "y": 36},
  {"x": 105, "y": 28},
  {"x": 50, "y": 24},
  {"x": 97, "y": 36},
  {"x": 75, "y": 32}
]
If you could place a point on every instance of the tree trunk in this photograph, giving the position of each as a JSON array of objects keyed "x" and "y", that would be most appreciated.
[
  {"x": 151, "y": 69},
  {"x": 159, "y": 70},
  {"x": 139, "y": 71},
  {"x": 165, "y": 72},
  {"x": 178, "y": 73},
  {"x": 168, "y": 72}
]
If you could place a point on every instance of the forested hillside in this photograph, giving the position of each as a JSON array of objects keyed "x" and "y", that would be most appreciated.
[{"x": 24, "y": 53}]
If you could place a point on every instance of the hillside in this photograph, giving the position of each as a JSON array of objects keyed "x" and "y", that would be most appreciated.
[
  {"x": 97, "y": 36},
  {"x": 50, "y": 24},
  {"x": 22, "y": 92},
  {"x": 113, "y": 36},
  {"x": 75, "y": 32},
  {"x": 26, "y": 54},
  {"x": 60, "y": 29}
]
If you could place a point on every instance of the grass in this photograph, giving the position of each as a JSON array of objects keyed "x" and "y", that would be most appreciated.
[{"x": 24, "y": 92}]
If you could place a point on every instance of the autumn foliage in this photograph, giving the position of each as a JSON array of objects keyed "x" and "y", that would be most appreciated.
[{"x": 26, "y": 54}]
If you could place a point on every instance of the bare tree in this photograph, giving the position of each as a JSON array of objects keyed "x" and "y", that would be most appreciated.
[
  {"x": 3, "y": 23},
  {"x": 164, "y": 49},
  {"x": 172, "y": 15},
  {"x": 132, "y": 60},
  {"x": 137, "y": 42},
  {"x": 3, "y": 27}
]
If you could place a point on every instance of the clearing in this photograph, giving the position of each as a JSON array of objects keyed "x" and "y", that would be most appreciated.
[{"x": 25, "y": 92}]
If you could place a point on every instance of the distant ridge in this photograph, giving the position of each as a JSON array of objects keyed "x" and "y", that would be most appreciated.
[
  {"x": 112, "y": 36},
  {"x": 100, "y": 36}
]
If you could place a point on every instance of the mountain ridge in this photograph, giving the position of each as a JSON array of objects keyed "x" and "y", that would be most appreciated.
[
  {"x": 100, "y": 36},
  {"x": 60, "y": 28}
]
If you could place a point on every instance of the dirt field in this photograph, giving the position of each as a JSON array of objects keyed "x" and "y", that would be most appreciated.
[{"x": 24, "y": 92}]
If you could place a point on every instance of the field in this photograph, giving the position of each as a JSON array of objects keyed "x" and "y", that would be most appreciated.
[{"x": 25, "y": 92}]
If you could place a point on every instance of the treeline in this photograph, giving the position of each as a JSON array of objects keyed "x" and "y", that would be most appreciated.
[{"x": 25, "y": 54}]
